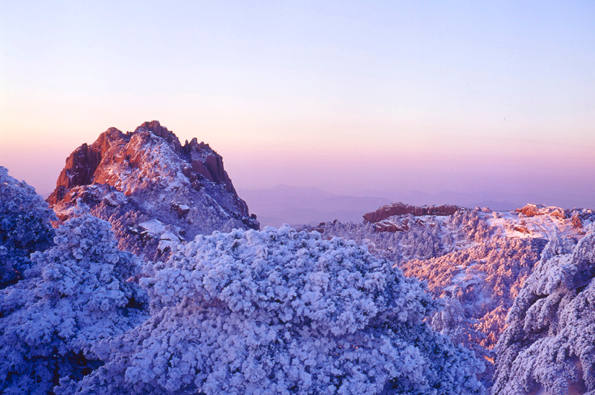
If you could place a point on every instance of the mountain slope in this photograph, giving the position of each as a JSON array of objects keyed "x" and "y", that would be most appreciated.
[
  {"x": 152, "y": 189},
  {"x": 475, "y": 260}
]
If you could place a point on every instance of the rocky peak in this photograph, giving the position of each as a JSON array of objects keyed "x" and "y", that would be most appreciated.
[
  {"x": 149, "y": 175},
  {"x": 155, "y": 128},
  {"x": 134, "y": 151},
  {"x": 532, "y": 210}
]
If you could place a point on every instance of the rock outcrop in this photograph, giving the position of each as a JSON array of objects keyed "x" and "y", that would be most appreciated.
[
  {"x": 402, "y": 209},
  {"x": 152, "y": 189},
  {"x": 531, "y": 210}
]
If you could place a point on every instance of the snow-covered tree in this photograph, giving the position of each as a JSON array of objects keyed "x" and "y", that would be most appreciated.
[
  {"x": 549, "y": 343},
  {"x": 73, "y": 295},
  {"x": 281, "y": 311},
  {"x": 24, "y": 227}
]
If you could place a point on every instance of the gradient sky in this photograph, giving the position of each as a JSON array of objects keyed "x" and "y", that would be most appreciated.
[{"x": 490, "y": 101}]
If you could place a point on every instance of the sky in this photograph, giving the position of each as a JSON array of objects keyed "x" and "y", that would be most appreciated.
[{"x": 448, "y": 100}]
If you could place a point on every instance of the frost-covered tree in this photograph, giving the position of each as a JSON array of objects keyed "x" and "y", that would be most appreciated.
[
  {"x": 456, "y": 322},
  {"x": 73, "y": 295},
  {"x": 549, "y": 343},
  {"x": 281, "y": 311},
  {"x": 24, "y": 227}
]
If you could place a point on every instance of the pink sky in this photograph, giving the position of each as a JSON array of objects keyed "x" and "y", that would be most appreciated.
[
  {"x": 491, "y": 102},
  {"x": 387, "y": 165}
]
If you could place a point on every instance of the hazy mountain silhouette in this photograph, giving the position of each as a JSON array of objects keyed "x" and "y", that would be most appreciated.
[{"x": 301, "y": 205}]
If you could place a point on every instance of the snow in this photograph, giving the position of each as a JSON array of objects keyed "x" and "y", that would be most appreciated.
[
  {"x": 512, "y": 224},
  {"x": 167, "y": 235},
  {"x": 548, "y": 346},
  {"x": 475, "y": 261},
  {"x": 115, "y": 198},
  {"x": 153, "y": 227},
  {"x": 281, "y": 311},
  {"x": 168, "y": 240},
  {"x": 24, "y": 227},
  {"x": 73, "y": 296},
  {"x": 239, "y": 312}
]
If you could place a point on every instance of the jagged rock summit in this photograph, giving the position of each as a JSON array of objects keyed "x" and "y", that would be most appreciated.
[{"x": 152, "y": 189}]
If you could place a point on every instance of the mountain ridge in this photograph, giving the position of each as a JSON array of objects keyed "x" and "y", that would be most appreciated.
[{"x": 474, "y": 260}]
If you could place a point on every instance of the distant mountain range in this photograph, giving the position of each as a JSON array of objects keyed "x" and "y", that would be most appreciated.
[
  {"x": 292, "y": 205},
  {"x": 285, "y": 204}
]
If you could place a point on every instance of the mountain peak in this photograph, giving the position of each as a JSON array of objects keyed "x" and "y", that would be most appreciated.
[
  {"x": 155, "y": 128},
  {"x": 147, "y": 176}
]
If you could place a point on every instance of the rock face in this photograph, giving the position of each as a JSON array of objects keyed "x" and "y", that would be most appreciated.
[
  {"x": 152, "y": 189},
  {"x": 475, "y": 260}
]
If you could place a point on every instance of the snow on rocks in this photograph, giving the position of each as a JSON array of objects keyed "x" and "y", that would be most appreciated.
[
  {"x": 166, "y": 236},
  {"x": 135, "y": 177}
]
